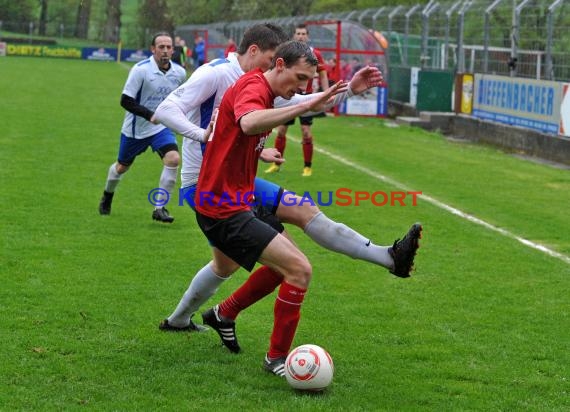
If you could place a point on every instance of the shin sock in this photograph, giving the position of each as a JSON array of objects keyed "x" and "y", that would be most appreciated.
[
  {"x": 259, "y": 284},
  {"x": 340, "y": 238}
]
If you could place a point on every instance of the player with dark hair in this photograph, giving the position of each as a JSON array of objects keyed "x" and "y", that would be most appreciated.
[
  {"x": 245, "y": 119},
  {"x": 234, "y": 227},
  {"x": 188, "y": 111},
  {"x": 148, "y": 83}
]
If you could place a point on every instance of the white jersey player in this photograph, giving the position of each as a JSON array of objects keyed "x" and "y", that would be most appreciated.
[{"x": 149, "y": 83}]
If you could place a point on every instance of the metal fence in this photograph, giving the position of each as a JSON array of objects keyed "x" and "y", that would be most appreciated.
[{"x": 525, "y": 38}]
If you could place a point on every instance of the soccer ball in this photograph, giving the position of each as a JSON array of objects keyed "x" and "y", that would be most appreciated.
[{"x": 309, "y": 368}]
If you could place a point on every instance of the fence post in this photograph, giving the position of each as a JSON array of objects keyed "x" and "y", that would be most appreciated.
[
  {"x": 390, "y": 17},
  {"x": 375, "y": 16},
  {"x": 364, "y": 13},
  {"x": 407, "y": 32},
  {"x": 447, "y": 29},
  {"x": 487, "y": 29},
  {"x": 387, "y": 51},
  {"x": 550, "y": 30},
  {"x": 460, "y": 36},
  {"x": 515, "y": 36},
  {"x": 426, "y": 13},
  {"x": 349, "y": 15}
]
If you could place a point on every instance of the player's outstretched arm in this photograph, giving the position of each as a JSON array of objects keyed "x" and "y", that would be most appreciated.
[
  {"x": 363, "y": 79},
  {"x": 321, "y": 101},
  {"x": 261, "y": 121}
]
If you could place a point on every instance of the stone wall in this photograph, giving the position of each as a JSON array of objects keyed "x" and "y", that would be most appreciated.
[{"x": 509, "y": 138}]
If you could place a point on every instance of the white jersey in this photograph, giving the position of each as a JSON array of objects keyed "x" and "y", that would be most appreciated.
[
  {"x": 188, "y": 109},
  {"x": 197, "y": 97},
  {"x": 149, "y": 86}
]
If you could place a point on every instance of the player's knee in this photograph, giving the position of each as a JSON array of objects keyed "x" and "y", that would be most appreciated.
[
  {"x": 310, "y": 209},
  {"x": 305, "y": 274},
  {"x": 307, "y": 138},
  {"x": 121, "y": 168},
  {"x": 224, "y": 269},
  {"x": 306, "y": 213},
  {"x": 171, "y": 159},
  {"x": 281, "y": 132},
  {"x": 297, "y": 211},
  {"x": 300, "y": 272}
]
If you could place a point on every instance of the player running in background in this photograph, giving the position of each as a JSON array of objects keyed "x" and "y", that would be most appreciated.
[
  {"x": 188, "y": 111},
  {"x": 148, "y": 83},
  {"x": 302, "y": 34}
]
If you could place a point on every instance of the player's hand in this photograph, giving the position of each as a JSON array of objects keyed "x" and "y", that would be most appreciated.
[
  {"x": 210, "y": 129},
  {"x": 319, "y": 103},
  {"x": 271, "y": 155},
  {"x": 366, "y": 78}
]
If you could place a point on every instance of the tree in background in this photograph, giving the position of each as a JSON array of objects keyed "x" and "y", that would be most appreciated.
[
  {"x": 153, "y": 16},
  {"x": 82, "y": 20},
  {"x": 43, "y": 17},
  {"x": 16, "y": 15},
  {"x": 112, "y": 26},
  {"x": 245, "y": 9}
]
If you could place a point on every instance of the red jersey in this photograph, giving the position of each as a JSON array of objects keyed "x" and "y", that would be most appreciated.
[
  {"x": 226, "y": 181},
  {"x": 320, "y": 67}
]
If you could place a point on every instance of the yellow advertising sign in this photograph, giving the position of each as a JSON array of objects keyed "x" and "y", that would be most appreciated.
[
  {"x": 467, "y": 94},
  {"x": 43, "y": 51}
]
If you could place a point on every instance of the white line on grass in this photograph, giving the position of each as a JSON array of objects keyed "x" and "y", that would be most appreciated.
[{"x": 440, "y": 205}]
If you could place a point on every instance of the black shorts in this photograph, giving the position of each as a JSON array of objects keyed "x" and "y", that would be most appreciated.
[
  {"x": 305, "y": 121},
  {"x": 243, "y": 236}
]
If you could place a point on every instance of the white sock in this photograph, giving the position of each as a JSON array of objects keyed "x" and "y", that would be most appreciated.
[
  {"x": 340, "y": 238},
  {"x": 113, "y": 179},
  {"x": 202, "y": 287},
  {"x": 168, "y": 179}
]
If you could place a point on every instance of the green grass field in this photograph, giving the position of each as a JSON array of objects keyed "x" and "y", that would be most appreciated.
[{"x": 483, "y": 325}]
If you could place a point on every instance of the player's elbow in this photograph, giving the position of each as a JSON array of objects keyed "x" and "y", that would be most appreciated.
[
  {"x": 248, "y": 125},
  {"x": 158, "y": 114},
  {"x": 126, "y": 101}
]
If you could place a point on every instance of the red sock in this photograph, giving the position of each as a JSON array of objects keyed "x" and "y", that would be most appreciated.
[
  {"x": 286, "y": 313},
  {"x": 259, "y": 284},
  {"x": 308, "y": 154},
  {"x": 280, "y": 143}
]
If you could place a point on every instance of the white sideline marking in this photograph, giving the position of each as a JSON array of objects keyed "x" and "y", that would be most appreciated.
[{"x": 441, "y": 205}]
